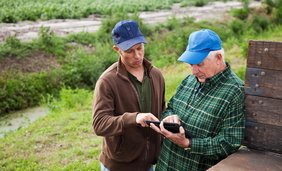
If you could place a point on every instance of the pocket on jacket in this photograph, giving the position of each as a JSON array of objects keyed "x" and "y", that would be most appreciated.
[
  {"x": 133, "y": 145},
  {"x": 129, "y": 146},
  {"x": 112, "y": 145}
]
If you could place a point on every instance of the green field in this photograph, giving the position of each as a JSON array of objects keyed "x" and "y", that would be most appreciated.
[{"x": 19, "y": 10}]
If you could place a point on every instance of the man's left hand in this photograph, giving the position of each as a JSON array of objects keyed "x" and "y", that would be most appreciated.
[{"x": 177, "y": 138}]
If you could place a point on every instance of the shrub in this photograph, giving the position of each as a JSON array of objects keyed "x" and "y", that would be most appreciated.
[
  {"x": 50, "y": 43},
  {"x": 200, "y": 3},
  {"x": 71, "y": 98},
  {"x": 82, "y": 70},
  {"x": 274, "y": 7},
  {"x": 237, "y": 27},
  {"x": 260, "y": 23},
  {"x": 13, "y": 47},
  {"x": 241, "y": 14},
  {"x": 22, "y": 90},
  {"x": 278, "y": 12},
  {"x": 84, "y": 38},
  {"x": 269, "y": 5}
]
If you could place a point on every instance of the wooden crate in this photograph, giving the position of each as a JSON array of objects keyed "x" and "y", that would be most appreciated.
[
  {"x": 263, "y": 100},
  {"x": 250, "y": 160}
]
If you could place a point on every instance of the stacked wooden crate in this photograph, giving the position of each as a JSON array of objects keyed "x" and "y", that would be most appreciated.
[
  {"x": 263, "y": 88},
  {"x": 263, "y": 102}
]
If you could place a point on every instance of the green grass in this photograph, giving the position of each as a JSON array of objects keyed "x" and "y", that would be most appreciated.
[
  {"x": 63, "y": 140},
  {"x": 173, "y": 75}
]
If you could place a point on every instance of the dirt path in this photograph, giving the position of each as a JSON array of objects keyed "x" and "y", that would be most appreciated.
[{"x": 29, "y": 30}]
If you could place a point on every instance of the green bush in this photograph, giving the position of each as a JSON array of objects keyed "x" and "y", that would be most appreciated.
[
  {"x": 84, "y": 38},
  {"x": 237, "y": 27},
  {"x": 47, "y": 42},
  {"x": 71, "y": 98},
  {"x": 241, "y": 14},
  {"x": 260, "y": 23},
  {"x": 8, "y": 16},
  {"x": 24, "y": 90},
  {"x": 274, "y": 8},
  {"x": 13, "y": 47},
  {"x": 278, "y": 12},
  {"x": 50, "y": 43},
  {"x": 269, "y": 6},
  {"x": 82, "y": 70},
  {"x": 200, "y": 3}
]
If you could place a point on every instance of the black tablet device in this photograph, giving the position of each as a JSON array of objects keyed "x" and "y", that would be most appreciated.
[{"x": 172, "y": 127}]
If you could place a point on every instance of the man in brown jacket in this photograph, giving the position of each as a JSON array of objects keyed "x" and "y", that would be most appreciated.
[{"x": 126, "y": 94}]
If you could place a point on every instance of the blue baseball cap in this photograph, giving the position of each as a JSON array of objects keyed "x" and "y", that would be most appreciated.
[
  {"x": 126, "y": 34},
  {"x": 200, "y": 44}
]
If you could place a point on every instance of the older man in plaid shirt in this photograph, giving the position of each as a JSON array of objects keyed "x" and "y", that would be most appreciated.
[{"x": 209, "y": 105}]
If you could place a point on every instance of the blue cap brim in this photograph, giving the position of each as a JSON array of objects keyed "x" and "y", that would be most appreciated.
[
  {"x": 129, "y": 43},
  {"x": 193, "y": 58}
]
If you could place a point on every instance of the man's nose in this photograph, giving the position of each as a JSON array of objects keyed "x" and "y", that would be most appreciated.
[{"x": 137, "y": 54}]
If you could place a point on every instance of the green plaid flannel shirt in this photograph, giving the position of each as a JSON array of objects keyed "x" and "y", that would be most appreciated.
[{"x": 213, "y": 113}]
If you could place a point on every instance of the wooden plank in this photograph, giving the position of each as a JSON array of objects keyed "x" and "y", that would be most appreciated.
[
  {"x": 250, "y": 160},
  {"x": 263, "y": 137},
  {"x": 263, "y": 82},
  {"x": 265, "y": 54},
  {"x": 264, "y": 110}
]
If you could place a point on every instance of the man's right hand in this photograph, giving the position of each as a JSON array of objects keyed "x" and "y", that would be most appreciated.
[{"x": 142, "y": 117}]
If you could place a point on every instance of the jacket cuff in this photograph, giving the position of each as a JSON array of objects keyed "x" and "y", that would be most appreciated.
[{"x": 129, "y": 119}]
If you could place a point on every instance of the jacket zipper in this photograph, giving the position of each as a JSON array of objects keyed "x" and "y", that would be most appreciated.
[{"x": 147, "y": 147}]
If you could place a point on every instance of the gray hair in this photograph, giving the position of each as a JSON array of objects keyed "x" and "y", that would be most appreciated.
[{"x": 212, "y": 54}]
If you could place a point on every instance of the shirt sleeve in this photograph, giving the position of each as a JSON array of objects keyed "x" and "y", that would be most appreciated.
[
  {"x": 105, "y": 122},
  {"x": 230, "y": 135}
]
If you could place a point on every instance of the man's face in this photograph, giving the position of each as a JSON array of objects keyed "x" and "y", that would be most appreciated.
[
  {"x": 132, "y": 57},
  {"x": 206, "y": 69}
]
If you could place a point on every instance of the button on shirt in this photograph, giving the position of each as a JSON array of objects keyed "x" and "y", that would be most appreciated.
[{"x": 144, "y": 91}]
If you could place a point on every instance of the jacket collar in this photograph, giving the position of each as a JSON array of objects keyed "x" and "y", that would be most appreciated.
[{"x": 121, "y": 70}]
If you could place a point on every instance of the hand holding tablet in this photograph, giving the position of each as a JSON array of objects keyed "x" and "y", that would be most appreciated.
[{"x": 172, "y": 127}]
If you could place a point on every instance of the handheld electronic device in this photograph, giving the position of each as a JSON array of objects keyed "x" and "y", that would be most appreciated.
[{"x": 172, "y": 127}]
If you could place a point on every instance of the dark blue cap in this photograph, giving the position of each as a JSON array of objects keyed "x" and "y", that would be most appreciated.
[
  {"x": 126, "y": 34},
  {"x": 200, "y": 44}
]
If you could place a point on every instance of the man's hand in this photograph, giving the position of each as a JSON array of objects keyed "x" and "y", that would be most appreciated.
[
  {"x": 177, "y": 138},
  {"x": 142, "y": 117}
]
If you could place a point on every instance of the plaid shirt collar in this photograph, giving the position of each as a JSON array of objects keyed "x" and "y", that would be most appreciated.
[{"x": 219, "y": 77}]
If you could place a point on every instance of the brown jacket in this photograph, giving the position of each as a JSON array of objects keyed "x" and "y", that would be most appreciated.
[{"x": 126, "y": 145}]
